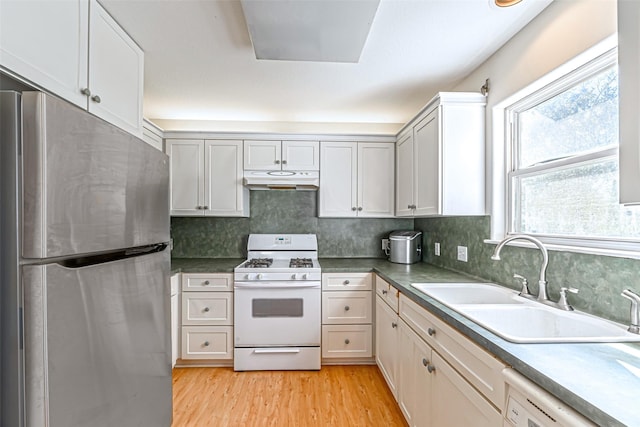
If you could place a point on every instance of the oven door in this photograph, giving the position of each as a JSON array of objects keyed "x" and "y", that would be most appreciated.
[{"x": 271, "y": 314}]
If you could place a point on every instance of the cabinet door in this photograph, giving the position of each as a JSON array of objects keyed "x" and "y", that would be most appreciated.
[
  {"x": 414, "y": 378},
  {"x": 375, "y": 180},
  {"x": 426, "y": 146},
  {"x": 224, "y": 194},
  {"x": 404, "y": 175},
  {"x": 46, "y": 42},
  {"x": 629, "y": 63},
  {"x": 175, "y": 318},
  {"x": 116, "y": 71},
  {"x": 262, "y": 155},
  {"x": 187, "y": 171},
  {"x": 338, "y": 179},
  {"x": 301, "y": 155},
  {"x": 455, "y": 403},
  {"x": 387, "y": 343}
]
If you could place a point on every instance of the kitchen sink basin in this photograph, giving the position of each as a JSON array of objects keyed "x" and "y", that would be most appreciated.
[
  {"x": 535, "y": 323},
  {"x": 521, "y": 320},
  {"x": 469, "y": 293}
]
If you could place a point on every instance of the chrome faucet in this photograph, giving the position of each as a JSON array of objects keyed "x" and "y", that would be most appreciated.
[
  {"x": 542, "y": 282},
  {"x": 635, "y": 310}
]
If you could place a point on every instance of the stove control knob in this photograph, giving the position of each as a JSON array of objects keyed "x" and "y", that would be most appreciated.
[
  {"x": 259, "y": 276},
  {"x": 305, "y": 276},
  {"x": 293, "y": 276},
  {"x": 246, "y": 277}
]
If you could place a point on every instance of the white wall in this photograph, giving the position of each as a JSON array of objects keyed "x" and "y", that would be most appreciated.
[{"x": 564, "y": 30}]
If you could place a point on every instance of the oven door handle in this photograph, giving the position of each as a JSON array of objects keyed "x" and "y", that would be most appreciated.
[
  {"x": 276, "y": 350},
  {"x": 276, "y": 285}
]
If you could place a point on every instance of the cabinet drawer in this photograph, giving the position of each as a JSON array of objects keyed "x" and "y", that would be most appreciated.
[
  {"x": 388, "y": 293},
  {"x": 480, "y": 368},
  {"x": 207, "y": 282},
  {"x": 346, "y": 281},
  {"x": 207, "y": 308},
  {"x": 346, "y": 307},
  {"x": 346, "y": 341},
  {"x": 207, "y": 342}
]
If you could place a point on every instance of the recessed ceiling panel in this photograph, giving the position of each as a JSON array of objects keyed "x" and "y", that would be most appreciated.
[{"x": 309, "y": 30}]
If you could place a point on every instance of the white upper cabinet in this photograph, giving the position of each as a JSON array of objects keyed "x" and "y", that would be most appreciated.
[
  {"x": 46, "y": 42},
  {"x": 356, "y": 179},
  {"x": 281, "y": 155},
  {"x": 440, "y": 166},
  {"x": 629, "y": 93},
  {"x": 206, "y": 178},
  {"x": 75, "y": 50},
  {"x": 116, "y": 70}
]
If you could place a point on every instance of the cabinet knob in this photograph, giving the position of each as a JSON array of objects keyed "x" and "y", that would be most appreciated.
[
  {"x": 360, "y": 208},
  {"x": 408, "y": 206},
  {"x": 205, "y": 207},
  {"x": 206, "y": 343},
  {"x": 206, "y": 309},
  {"x": 347, "y": 341},
  {"x": 346, "y": 308},
  {"x": 85, "y": 91},
  {"x": 431, "y": 369},
  {"x": 284, "y": 162},
  {"x": 353, "y": 208},
  {"x": 346, "y": 282},
  {"x": 198, "y": 207},
  {"x": 277, "y": 162},
  {"x": 431, "y": 331},
  {"x": 96, "y": 99},
  {"x": 394, "y": 325},
  {"x": 384, "y": 292},
  {"x": 425, "y": 362},
  {"x": 206, "y": 282}
]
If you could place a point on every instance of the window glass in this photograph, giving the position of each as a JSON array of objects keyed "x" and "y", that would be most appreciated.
[{"x": 580, "y": 119}]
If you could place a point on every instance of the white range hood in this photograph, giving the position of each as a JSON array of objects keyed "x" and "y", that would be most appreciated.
[{"x": 282, "y": 180}]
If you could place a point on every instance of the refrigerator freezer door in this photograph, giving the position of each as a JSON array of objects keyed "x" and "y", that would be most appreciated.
[
  {"x": 97, "y": 344},
  {"x": 87, "y": 185}
]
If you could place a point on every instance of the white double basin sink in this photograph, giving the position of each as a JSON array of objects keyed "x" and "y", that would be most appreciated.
[{"x": 521, "y": 320}]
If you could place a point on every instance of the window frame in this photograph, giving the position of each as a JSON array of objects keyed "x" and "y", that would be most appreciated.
[{"x": 561, "y": 83}]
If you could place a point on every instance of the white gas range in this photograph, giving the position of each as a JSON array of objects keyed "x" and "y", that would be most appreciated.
[{"x": 277, "y": 324}]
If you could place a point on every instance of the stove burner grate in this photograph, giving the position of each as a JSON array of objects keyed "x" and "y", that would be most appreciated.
[
  {"x": 259, "y": 262},
  {"x": 301, "y": 263}
]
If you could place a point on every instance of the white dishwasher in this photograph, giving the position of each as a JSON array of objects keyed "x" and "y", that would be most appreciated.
[{"x": 528, "y": 405}]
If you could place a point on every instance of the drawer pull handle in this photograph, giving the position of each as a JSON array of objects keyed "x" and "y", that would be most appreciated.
[
  {"x": 346, "y": 308},
  {"x": 206, "y": 343},
  {"x": 206, "y": 282},
  {"x": 394, "y": 325},
  {"x": 384, "y": 292},
  {"x": 346, "y": 282},
  {"x": 431, "y": 332},
  {"x": 206, "y": 309},
  {"x": 347, "y": 341},
  {"x": 431, "y": 369},
  {"x": 425, "y": 362}
]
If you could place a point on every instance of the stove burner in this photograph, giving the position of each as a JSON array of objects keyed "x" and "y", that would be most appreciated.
[
  {"x": 301, "y": 263},
  {"x": 259, "y": 262}
]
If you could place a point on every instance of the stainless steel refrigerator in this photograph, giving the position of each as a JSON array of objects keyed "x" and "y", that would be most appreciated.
[{"x": 84, "y": 264}]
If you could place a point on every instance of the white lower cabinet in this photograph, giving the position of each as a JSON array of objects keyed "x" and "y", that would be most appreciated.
[
  {"x": 207, "y": 316},
  {"x": 346, "y": 316},
  {"x": 438, "y": 376}
]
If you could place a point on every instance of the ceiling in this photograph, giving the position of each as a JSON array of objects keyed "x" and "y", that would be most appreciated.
[{"x": 201, "y": 72}]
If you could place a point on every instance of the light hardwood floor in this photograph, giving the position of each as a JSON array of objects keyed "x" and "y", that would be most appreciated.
[{"x": 343, "y": 396}]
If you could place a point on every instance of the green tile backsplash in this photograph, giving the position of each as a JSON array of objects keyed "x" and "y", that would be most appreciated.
[
  {"x": 285, "y": 211},
  {"x": 600, "y": 279}
]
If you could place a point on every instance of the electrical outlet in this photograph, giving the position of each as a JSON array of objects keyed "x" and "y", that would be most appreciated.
[
  {"x": 462, "y": 253},
  {"x": 436, "y": 249},
  {"x": 385, "y": 244}
]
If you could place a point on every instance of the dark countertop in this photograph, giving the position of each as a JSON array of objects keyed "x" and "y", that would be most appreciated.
[{"x": 599, "y": 380}]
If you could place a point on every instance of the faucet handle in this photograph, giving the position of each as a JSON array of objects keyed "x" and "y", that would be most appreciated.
[
  {"x": 562, "y": 302},
  {"x": 525, "y": 283}
]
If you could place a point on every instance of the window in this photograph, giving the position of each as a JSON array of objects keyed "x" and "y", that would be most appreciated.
[{"x": 563, "y": 179}]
